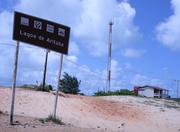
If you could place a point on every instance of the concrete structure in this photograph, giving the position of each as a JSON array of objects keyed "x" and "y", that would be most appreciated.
[{"x": 151, "y": 91}]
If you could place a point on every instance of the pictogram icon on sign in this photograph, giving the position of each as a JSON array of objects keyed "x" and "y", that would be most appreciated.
[
  {"x": 50, "y": 28},
  {"x": 61, "y": 32},
  {"x": 24, "y": 21},
  {"x": 37, "y": 24}
]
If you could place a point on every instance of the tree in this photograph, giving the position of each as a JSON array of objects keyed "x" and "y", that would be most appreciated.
[
  {"x": 46, "y": 89},
  {"x": 69, "y": 84}
]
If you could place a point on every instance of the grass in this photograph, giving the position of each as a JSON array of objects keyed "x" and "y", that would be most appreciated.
[
  {"x": 166, "y": 103},
  {"x": 51, "y": 118},
  {"x": 172, "y": 106},
  {"x": 115, "y": 93},
  {"x": 162, "y": 110},
  {"x": 176, "y": 99}
]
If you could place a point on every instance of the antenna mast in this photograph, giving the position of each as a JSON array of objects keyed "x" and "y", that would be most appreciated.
[{"x": 108, "y": 84}]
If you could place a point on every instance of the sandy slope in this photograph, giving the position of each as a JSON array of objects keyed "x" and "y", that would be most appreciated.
[{"x": 123, "y": 113}]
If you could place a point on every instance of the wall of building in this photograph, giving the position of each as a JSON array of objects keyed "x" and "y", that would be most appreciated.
[{"x": 147, "y": 92}]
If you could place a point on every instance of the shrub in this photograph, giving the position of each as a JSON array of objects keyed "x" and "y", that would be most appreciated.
[
  {"x": 28, "y": 86},
  {"x": 82, "y": 94},
  {"x": 37, "y": 87},
  {"x": 47, "y": 88},
  {"x": 51, "y": 118},
  {"x": 69, "y": 84},
  {"x": 118, "y": 92},
  {"x": 100, "y": 93}
]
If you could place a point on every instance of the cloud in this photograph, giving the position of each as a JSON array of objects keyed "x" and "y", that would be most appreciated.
[
  {"x": 117, "y": 74},
  {"x": 167, "y": 32},
  {"x": 133, "y": 53},
  {"x": 74, "y": 48},
  {"x": 6, "y": 26},
  {"x": 6, "y": 67},
  {"x": 93, "y": 27},
  {"x": 61, "y": 11},
  {"x": 140, "y": 80},
  {"x": 72, "y": 58},
  {"x": 116, "y": 69}
]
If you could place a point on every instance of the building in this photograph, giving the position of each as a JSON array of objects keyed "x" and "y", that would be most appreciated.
[{"x": 151, "y": 91}]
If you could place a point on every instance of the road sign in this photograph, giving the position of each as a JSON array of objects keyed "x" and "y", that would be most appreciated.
[{"x": 40, "y": 32}]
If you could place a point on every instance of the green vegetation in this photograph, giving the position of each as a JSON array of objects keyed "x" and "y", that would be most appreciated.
[
  {"x": 28, "y": 86},
  {"x": 50, "y": 118},
  {"x": 82, "y": 94},
  {"x": 69, "y": 84},
  {"x": 37, "y": 87},
  {"x": 176, "y": 99},
  {"x": 47, "y": 88},
  {"x": 115, "y": 93}
]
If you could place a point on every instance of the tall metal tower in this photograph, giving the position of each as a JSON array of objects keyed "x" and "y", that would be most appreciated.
[
  {"x": 108, "y": 84},
  {"x": 177, "y": 87}
]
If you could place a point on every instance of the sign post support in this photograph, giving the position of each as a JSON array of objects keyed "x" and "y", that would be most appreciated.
[
  {"x": 57, "y": 90},
  {"x": 45, "y": 67},
  {"x": 14, "y": 83}
]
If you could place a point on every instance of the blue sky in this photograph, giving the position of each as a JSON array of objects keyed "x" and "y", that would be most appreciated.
[{"x": 145, "y": 42}]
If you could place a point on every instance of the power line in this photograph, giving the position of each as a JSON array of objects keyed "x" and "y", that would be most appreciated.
[
  {"x": 21, "y": 45},
  {"x": 7, "y": 44},
  {"x": 83, "y": 68},
  {"x": 79, "y": 65}
]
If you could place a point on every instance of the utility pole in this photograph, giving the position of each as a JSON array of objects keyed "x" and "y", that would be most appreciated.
[
  {"x": 177, "y": 86},
  {"x": 45, "y": 67},
  {"x": 108, "y": 84}
]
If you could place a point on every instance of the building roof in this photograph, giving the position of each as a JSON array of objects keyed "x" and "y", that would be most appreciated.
[{"x": 152, "y": 87}]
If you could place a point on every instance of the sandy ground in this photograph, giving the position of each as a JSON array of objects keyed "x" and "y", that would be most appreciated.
[
  {"x": 86, "y": 114},
  {"x": 28, "y": 124}
]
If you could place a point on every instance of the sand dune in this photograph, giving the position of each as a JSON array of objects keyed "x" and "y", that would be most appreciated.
[{"x": 115, "y": 113}]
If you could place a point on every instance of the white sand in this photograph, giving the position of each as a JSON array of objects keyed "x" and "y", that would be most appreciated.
[{"x": 115, "y": 113}]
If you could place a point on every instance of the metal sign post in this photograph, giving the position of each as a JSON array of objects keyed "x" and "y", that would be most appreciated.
[
  {"x": 57, "y": 90},
  {"x": 14, "y": 83},
  {"x": 45, "y": 67}
]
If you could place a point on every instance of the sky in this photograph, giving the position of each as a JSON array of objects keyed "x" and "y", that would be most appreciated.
[{"x": 145, "y": 43}]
